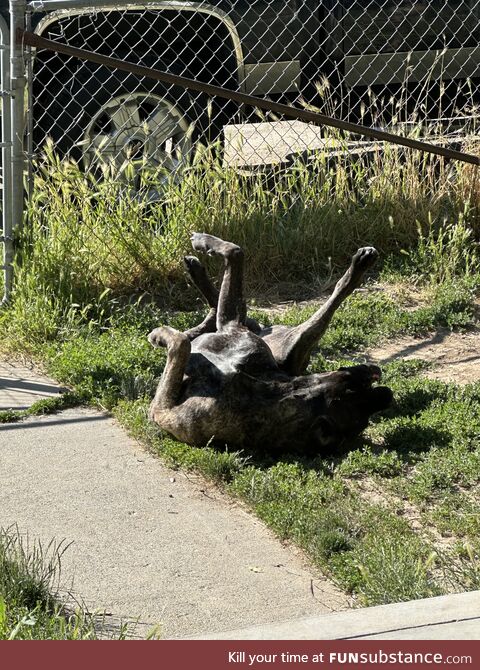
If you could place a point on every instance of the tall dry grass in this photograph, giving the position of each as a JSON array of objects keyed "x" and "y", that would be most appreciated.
[{"x": 88, "y": 242}]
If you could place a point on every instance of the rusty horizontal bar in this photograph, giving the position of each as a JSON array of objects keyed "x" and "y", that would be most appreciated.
[{"x": 242, "y": 98}]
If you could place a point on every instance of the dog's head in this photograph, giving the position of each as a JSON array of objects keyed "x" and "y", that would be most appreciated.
[{"x": 351, "y": 397}]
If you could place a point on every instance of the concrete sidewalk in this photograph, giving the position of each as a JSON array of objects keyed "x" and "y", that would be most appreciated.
[
  {"x": 148, "y": 542},
  {"x": 22, "y": 385},
  {"x": 452, "y": 617}
]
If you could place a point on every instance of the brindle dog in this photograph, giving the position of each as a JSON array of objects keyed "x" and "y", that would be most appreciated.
[{"x": 230, "y": 381}]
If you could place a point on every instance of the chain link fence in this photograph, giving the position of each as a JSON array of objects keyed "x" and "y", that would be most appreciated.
[
  {"x": 392, "y": 63},
  {"x": 6, "y": 233},
  {"x": 411, "y": 67}
]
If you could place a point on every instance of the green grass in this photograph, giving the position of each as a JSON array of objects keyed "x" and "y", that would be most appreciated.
[
  {"x": 456, "y": 514},
  {"x": 88, "y": 250},
  {"x": 96, "y": 271},
  {"x": 44, "y": 406},
  {"x": 29, "y": 579}
]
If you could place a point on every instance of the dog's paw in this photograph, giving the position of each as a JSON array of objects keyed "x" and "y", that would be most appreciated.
[
  {"x": 204, "y": 243},
  {"x": 191, "y": 263},
  {"x": 156, "y": 337},
  {"x": 364, "y": 259},
  {"x": 209, "y": 244}
]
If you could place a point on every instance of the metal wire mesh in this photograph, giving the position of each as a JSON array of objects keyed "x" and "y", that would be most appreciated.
[
  {"x": 411, "y": 66},
  {"x": 6, "y": 233}
]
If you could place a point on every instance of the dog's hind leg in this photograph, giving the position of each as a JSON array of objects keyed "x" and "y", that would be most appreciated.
[
  {"x": 201, "y": 280},
  {"x": 292, "y": 347},
  {"x": 231, "y": 307},
  {"x": 178, "y": 353},
  {"x": 203, "y": 283}
]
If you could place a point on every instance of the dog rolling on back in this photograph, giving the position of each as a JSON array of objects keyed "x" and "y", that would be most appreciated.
[{"x": 231, "y": 382}]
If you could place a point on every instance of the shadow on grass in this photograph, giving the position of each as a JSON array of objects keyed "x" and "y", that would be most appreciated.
[
  {"x": 416, "y": 439},
  {"x": 406, "y": 440},
  {"x": 412, "y": 403}
]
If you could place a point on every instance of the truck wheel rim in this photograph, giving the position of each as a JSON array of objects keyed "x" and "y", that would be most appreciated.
[{"x": 141, "y": 131}]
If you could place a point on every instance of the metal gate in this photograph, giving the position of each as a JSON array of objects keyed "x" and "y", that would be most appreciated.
[{"x": 5, "y": 143}]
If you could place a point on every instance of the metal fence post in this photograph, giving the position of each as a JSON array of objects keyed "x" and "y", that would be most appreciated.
[
  {"x": 17, "y": 78},
  {"x": 6, "y": 161}
]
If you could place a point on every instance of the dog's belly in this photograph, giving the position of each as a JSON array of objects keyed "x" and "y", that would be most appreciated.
[{"x": 231, "y": 352}]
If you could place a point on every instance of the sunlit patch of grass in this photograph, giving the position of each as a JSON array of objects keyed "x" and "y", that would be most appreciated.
[
  {"x": 29, "y": 579},
  {"x": 362, "y": 462},
  {"x": 455, "y": 513}
]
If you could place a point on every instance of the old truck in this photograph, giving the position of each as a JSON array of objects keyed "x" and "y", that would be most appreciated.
[{"x": 362, "y": 59}]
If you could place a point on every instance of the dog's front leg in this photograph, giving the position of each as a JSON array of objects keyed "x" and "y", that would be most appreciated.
[{"x": 178, "y": 353}]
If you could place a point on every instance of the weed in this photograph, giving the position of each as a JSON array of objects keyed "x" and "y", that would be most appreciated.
[
  {"x": 455, "y": 513},
  {"x": 395, "y": 568},
  {"x": 113, "y": 365},
  {"x": 44, "y": 406},
  {"x": 29, "y": 579},
  {"x": 445, "y": 251},
  {"x": 460, "y": 567},
  {"x": 361, "y": 462}
]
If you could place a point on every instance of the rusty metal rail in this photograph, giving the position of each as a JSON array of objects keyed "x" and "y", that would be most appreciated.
[{"x": 30, "y": 39}]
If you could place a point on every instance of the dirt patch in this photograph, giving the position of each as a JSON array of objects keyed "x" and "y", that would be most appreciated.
[
  {"x": 455, "y": 357},
  {"x": 372, "y": 492}
]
